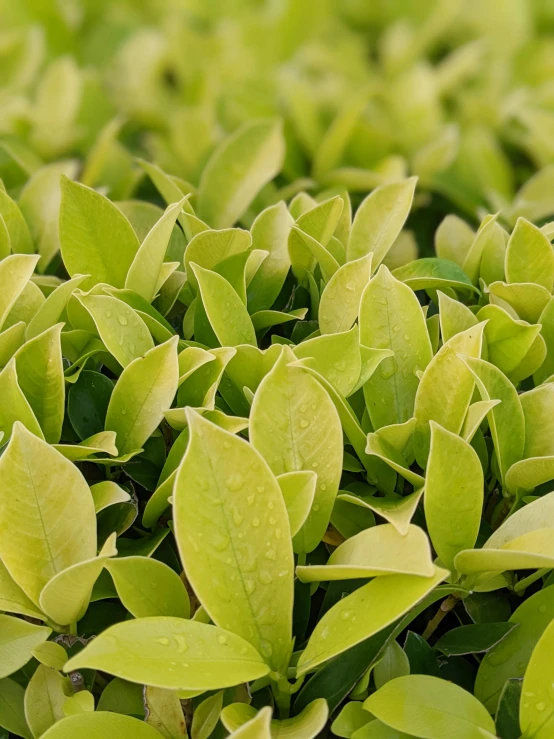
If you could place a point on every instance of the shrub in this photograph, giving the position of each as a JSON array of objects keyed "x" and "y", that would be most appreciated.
[{"x": 265, "y": 472}]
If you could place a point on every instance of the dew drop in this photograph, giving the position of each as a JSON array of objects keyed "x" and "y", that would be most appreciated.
[
  {"x": 222, "y": 639},
  {"x": 124, "y": 411},
  {"x": 220, "y": 543},
  {"x": 542, "y": 609},
  {"x": 108, "y": 314},
  {"x": 234, "y": 482},
  {"x": 345, "y": 615},
  {"x": 250, "y": 499},
  {"x": 227, "y": 444},
  {"x": 182, "y": 645},
  {"x": 265, "y": 648},
  {"x": 303, "y": 408},
  {"x": 271, "y": 505},
  {"x": 163, "y": 640},
  {"x": 271, "y": 520},
  {"x": 122, "y": 319},
  {"x": 315, "y": 465},
  {"x": 271, "y": 554},
  {"x": 266, "y": 578},
  {"x": 237, "y": 518},
  {"x": 315, "y": 507},
  {"x": 249, "y": 586},
  {"x": 244, "y": 650},
  {"x": 277, "y": 533},
  {"x": 323, "y": 486},
  {"x": 540, "y": 706},
  {"x": 255, "y": 522},
  {"x": 304, "y": 424},
  {"x": 350, "y": 286}
]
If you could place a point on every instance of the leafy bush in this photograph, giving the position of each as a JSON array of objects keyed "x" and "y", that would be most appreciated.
[{"x": 264, "y": 472}]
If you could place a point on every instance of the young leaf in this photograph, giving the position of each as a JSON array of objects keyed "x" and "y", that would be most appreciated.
[
  {"x": 391, "y": 318},
  {"x": 340, "y": 301},
  {"x": 529, "y": 256},
  {"x": 45, "y": 696},
  {"x": 380, "y": 550},
  {"x": 172, "y": 653},
  {"x": 144, "y": 271},
  {"x": 40, "y": 375},
  {"x": 12, "y": 712},
  {"x": 379, "y": 220},
  {"x": 242, "y": 164},
  {"x": 15, "y": 407},
  {"x": 238, "y": 557},
  {"x": 164, "y": 712},
  {"x": 536, "y": 712},
  {"x": 431, "y": 707},
  {"x": 147, "y": 587},
  {"x": 363, "y": 613},
  {"x": 47, "y": 515},
  {"x": 101, "y": 723},
  {"x": 145, "y": 390},
  {"x": 96, "y": 239},
  {"x": 15, "y": 272},
  {"x": 121, "y": 329},
  {"x": 287, "y": 406},
  {"x": 453, "y": 498}
]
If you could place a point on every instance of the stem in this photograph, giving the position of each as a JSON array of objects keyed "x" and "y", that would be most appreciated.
[
  {"x": 282, "y": 699},
  {"x": 520, "y": 586},
  {"x": 73, "y": 628},
  {"x": 301, "y": 558},
  {"x": 445, "y": 607}
]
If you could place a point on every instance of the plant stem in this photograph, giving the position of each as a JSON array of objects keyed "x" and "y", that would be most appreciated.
[
  {"x": 520, "y": 586},
  {"x": 445, "y": 607}
]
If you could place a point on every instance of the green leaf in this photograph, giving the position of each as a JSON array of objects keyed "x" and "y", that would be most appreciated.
[
  {"x": 340, "y": 301},
  {"x": 529, "y": 256},
  {"x": 270, "y": 232},
  {"x": 306, "y": 725},
  {"x": 380, "y": 550},
  {"x": 66, "y": 596},
  {"x": 147, "y": 587},
  {"x": 351, "y": 717},
  {"x": 206, "y": 716},
  {"x": 87, "y": 403},
  {"x": 172, "y": 653},
  {"x": 453, "y": 239},
  {"x": 508, "y": 340},
  {"x": 12, "y": 597},
  {"x": 51, "y": 654},
  {"x": 15, "y": 407},
  {"x": 433, "y": 274},
  {"x": 101, "y": 723},
  {"x": 379, "y": 220},
  {"x": 96, "y": 238},
  {"x": 506, "y": 419},
  {"x": 242, "y": 164},
  {"x": 53, "y": 307},
  {"x": 46, "y": 513},
  {"x": 507, "y": 715},
  {"x": 45, "y": 696},
  {"x": 454, "y": 317},
  {"x": 391, "y": 318},
  {"x": 17, "y": 640},
  {"x": 256, "y": 728},
  {"x": 363, "y": 613},
  {"x": 226, "y": 312},
  {"x": 394, "y": 509},
  {"x": 40, "y": 375},
  {"x": 509, "y": 658},
  {"x": 15, "y": 272},
  {"x": 164, "y": 712},
  {"x": 431, "y": 707},
  {"x": 309, "y": 239},
  {"x": 144, "y": 271},
  {"x": 473, "y": 639},
  {"x": 394, "y": 663},
  {"x": 287, "y": 407},
  {"x": 145, "y": 390},
  {"x": 445, "y": 390},
  {"x": 298, "y": 489},
  {"x": 238, "y": 557},
  {"x": 17, "y": 228},
  {"x": 536, "y": 712},
  {"x": 121, "y": 329},
  {"x": 526, "y": 298},
  {"x": 453, "y": 520},
  {"x": 523, "y": 541},
  {"x": 12, "y": 714}
]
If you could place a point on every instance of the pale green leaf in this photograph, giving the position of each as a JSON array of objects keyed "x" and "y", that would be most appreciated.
[
  {"x": 529, "y": 256},
  {"x": 340, "y": 301},
  {"x": 172, "y": 653},
  {"x": 53, "y": 307},
  {"x": 379, "y": 220},
  {"x": 270, "y": 232},
  {"x": 431, "y": 707},
  {"x": 147, "y": 587},
  {"x": 242, "y": 164},
  {"x": 298, "y": 489},
  {"x": 45, "y": 696},
  {"x": 15, "y": 407},
  {"x": 394, "y": 663},
  {"x": 96, "y": 238},
  {"x": 145, "y": 390},
  {"x": 288, "y": 405},
  {"x": 15, "y": 272},
  {"x": 100, "y": 725},
  {"x": 363, "y": 613},
  {"x": 12, "y": 713},
  {"x": 238, "y": 556},
  {"x": 17, "y": 639},
  {"x": 453, "y": 498},
  {"x": 377, "y": 551},
  {"x": 164, "y": 712},
  {"x": 47, "y": 519},
  {"x": 394, "y": 509}
]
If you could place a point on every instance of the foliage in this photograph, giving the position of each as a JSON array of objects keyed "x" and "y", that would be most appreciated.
[{"x": 263, "y": 471}]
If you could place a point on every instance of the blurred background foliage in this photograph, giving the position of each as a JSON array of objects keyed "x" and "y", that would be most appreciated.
[{"x": 458, "y": 92}]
